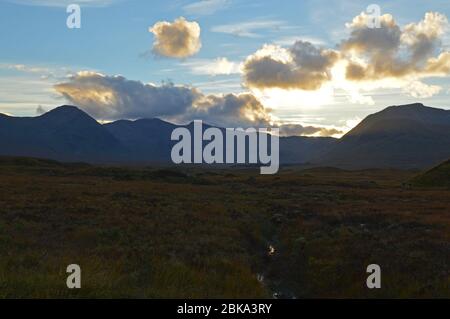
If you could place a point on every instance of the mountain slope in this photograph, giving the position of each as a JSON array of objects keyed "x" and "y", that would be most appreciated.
[
  {"x": 407, "y": 136},
  {"x": 65, "y": 133},
  {"x": 151, "y": 139},
  {"x": 68, "y": 134},
  {"x": 438, "y": 176},
  {"x": 148, "y": 140},
  {"x": 301, "y": 149}
]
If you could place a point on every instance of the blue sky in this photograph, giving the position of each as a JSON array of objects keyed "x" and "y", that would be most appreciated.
[{"x": 38, "y": 50}]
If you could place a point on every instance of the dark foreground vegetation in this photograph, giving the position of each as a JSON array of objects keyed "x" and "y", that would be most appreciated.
[{"x": 189, "y": 233}]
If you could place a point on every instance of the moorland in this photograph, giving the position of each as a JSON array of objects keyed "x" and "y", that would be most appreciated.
[{"x": 191, "y": 232}]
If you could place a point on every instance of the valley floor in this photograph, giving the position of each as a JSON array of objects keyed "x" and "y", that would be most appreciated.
[{"x": 193, "y": 233}]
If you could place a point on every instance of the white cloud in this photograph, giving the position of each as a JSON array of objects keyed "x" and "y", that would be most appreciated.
[
  {"x": 24, "y": 68},
  {"x": 302, "y": 66},
  {"x": 218, "y": 66},
  {"x": 45, "y": 72},
  {"x": 249, "y": 29},
  {"x": 24, "y": 86},
  {"x": 288, "y": 40},
  {"x": 220, "y": 86},
  {"x": 206, "y": 7},
  {"x": 393, "y": 52},
  {"x": 21, "y": 94},
  {"x": 178, "y": 39},
  {"x": 419, "y": 89}
]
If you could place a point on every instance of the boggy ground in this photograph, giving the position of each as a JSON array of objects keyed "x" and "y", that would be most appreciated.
[{"x": 195, "y": 233}]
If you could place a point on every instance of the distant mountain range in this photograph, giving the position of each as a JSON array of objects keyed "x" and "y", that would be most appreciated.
[{"x": 408, "y": 136}]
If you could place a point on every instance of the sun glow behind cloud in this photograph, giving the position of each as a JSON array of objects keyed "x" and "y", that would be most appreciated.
[
  {"x": 278, "y": 99},
  {"x": 366, "y": 61}
]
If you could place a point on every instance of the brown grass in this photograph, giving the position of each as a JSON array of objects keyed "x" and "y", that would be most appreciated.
[{"x": 167, "y": 233}]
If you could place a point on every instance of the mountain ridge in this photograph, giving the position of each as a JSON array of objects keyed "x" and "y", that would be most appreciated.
[
  {"x": 401, "y": 136},
  {"x": 407, "y": 136}
]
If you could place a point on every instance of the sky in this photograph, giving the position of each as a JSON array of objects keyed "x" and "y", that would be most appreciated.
[{"x": 310, "y": 67}]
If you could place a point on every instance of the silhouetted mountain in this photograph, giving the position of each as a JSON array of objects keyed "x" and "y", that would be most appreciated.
[
  {"x": 148, "y": 140},
  {"x": 302, "y": 149},
  {"x": 65, "y": 133},
  {"x": 407, "y": 136},
  {"x": 69, "y": 134}
]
